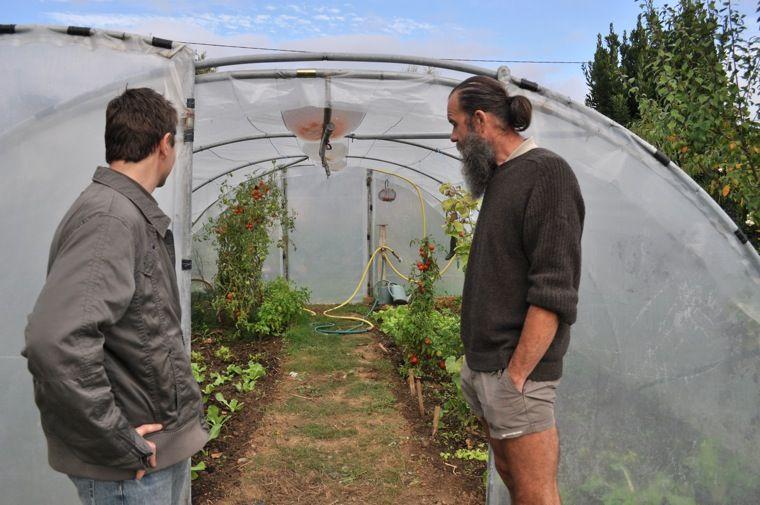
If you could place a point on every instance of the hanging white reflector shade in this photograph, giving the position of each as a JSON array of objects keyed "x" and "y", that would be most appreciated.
[
  {"x": 307, "y": 123},
  {"x": 315, "y": 125}
]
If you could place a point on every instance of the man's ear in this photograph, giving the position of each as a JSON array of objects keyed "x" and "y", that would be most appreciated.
[
  {"x": 166, "y": 143},
  {"x": 479, "y": 121}
]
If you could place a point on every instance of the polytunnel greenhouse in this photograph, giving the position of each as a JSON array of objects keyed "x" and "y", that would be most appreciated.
[{"x": 662, "y": 377}]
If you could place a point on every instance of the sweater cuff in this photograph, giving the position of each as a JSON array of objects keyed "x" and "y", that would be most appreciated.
[{"x": 562, "y": 303}]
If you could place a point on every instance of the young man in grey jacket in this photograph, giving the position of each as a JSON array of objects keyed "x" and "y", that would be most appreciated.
[
  {"x": 521, "y": 285},
  {"x": 119, "y": 406}
]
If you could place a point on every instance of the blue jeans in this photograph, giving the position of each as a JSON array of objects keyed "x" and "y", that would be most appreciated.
[{"x": 170, "y": 486}]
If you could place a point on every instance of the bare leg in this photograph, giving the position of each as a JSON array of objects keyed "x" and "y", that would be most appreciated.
[{"x": 528, "y": 467}]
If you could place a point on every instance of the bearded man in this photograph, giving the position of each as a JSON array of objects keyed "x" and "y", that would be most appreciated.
[{"x": 521, "y": 285}]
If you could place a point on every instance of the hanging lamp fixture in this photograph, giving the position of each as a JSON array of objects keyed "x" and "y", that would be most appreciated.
[{"x": 387, "y": 194}]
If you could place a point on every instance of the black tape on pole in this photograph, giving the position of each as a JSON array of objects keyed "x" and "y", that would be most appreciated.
[
  {"x": 191, "y": 103},
  {"x": 80, "y": 31},
  {"x": 741, "y": 236},
  {"x": 7, "y": 29},
  {"x": 188, "y": 136},
  {"x": 661, "y": 157},
  {"x": 187, "y": 264},
  {"x": 162, "y": 43},
  {"x": 529, "y": 85}
]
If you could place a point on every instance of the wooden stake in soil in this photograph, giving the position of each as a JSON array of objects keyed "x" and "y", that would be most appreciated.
[
  {"x": 419, "y": 397},
  {"x": 436, "y": 419},
  {"x": 410, "y": 380}
]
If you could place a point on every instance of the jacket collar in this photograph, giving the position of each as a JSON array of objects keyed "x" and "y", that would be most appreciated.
[{"x": 136, "y": 194}]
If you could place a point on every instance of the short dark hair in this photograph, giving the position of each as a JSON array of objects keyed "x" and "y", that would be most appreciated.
[
  {"x": 489, "y": 95},
  {"x": 136, "y": 121}
]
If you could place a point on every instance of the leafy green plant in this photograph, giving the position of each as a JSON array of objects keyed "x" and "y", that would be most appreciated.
[
  {"x": 249, "y": 375},
  {"x": 232, "y": 405},
  {"x": 198, "y": 371},
  {"x": 220, "y": 378},
  {"x": 690, "y": 75},
  {"x": 215, "y": 420},
  {"x": 196, "y": 469},
  {"x": 242, "y": 233},
  {"x": 281, "y": 305},
  {"x": 455, "y": 405},
  {"x": 224, "y": 353},
  {"x": 430, "y": 338},
  {"x": 459, "y": 209}
]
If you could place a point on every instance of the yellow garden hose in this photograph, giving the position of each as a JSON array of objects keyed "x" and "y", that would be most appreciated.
[
  {"x": 379, "y": 250},
  {"x": 384, "y": 256}
]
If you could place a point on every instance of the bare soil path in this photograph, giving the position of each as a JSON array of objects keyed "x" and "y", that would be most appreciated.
[{"x": 335, "y": 432}]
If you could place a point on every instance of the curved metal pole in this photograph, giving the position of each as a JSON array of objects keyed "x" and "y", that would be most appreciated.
[
  {"x": 258, "y": 176},
  {"x": 295, "y": 165},
  {"x": 422, "y": 146},
  {"x": 244, "y": 139},
  {"x": 398, "y": 165},
  {"x": 235, "y": 169},
  {"x": 386, "y": 138},
  {"x": 358, "y": 57},
  {"x": 379, "y": 75}
]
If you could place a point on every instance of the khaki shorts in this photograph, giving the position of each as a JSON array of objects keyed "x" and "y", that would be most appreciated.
[{"x": 509, "y": 413}]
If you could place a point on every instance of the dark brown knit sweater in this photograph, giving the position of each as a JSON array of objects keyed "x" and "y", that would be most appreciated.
[{"x": 526, "y": 251}]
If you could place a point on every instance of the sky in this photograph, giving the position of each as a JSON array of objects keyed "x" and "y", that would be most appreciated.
[{"x": 538, "y": 30}]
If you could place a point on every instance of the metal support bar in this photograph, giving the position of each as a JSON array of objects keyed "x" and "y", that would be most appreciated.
[
  {"x": 379, "y": 75},
  {"x": 352, "y": 136},
  {"x": 357, "y": 57},
  {"x": 370, "y": 220},
  {"x": 414, "y": 144},
  {"x": 281, "y": 167},
  {"x": 295, "y": 165},
  {"x": 235, "y": 169},
  {"x": 245, "y": 139},
  {"x": 285, "y": 232}
]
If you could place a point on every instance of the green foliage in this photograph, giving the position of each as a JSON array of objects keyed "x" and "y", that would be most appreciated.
[
  {"x": 720, "y": 475},
  {"x": 441, "y": 329},
  {"x": 196, "y": 469},
  {"x": 710, "y": 475},
  {"x": 282, "y": 304},
  {"x": 690, "y": 79},
  {"x": 232, "y": 405},
  {"x": 459, "y": 208},
  {"x": 198, "y": 371},
  {"x": 215, "y": 420},
  {"x": 223, "y": 353},
  {"x": 242, "y": 233},
  {"x": 604, "y": 78},
  {"x": 248, "y": 377},
  {"x": 697, "y": 115},
  {"x": 455, "y": 404}
]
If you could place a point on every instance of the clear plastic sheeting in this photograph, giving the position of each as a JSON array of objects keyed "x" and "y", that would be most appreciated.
[
  {"x": 51, "y": 141},
  {"x": 661, "y": 381},
  {"x": 660, "y": 394}
]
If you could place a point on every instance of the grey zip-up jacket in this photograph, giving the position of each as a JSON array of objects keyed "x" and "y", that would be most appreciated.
[{"x": 104, "y": 343}]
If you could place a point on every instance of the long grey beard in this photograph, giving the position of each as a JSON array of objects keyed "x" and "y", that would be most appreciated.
[{"x": 478, "y": 163}]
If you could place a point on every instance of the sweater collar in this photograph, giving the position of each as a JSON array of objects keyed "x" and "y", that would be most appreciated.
[
  {"x": 527, "y": 145},
  {"x": 136, "y": 194}
]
